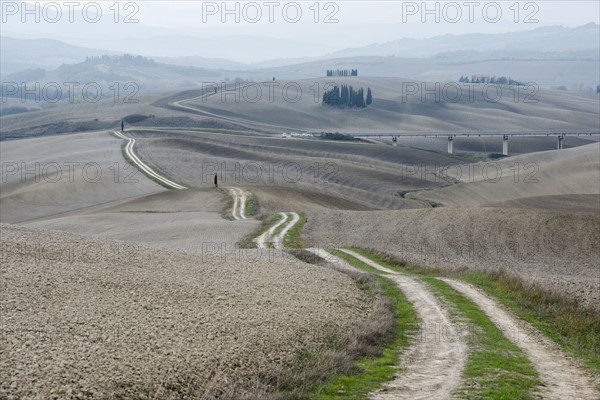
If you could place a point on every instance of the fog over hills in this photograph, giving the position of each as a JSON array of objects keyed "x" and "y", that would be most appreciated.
[
  {"x": 549, "y": 56},
  {"x": 554, "y": 39},
  {"x": 23, "y": 54}
]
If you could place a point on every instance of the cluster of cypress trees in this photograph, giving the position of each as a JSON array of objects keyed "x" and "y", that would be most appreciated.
[
  {"x": 346, "y": 96},
  {"x": 342, "y": 72}
]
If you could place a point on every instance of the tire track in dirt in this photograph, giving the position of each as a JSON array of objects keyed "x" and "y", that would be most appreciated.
[
  {"x": 278, "y": 240},
  {"x": 431, "y": 368},
  {"x": 239, "y": 203},
  {"x": 289, "y": 219},
  {"x": 562, "y": 376},
  {"x": 142, "y": 166},
  {"x": 266, "y": 237}
]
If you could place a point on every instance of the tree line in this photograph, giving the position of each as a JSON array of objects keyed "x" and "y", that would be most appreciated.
[
  {"x": 126, "y": 59},
  {"x": 490, "y": 79},
  {"x": 342, "y": 72},
  {"x": 347, "y": 96}
]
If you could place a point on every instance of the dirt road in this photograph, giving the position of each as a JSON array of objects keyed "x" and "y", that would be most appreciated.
[
  {"x": 432, "y": 367},
  {"x": 239, "y": 203},
  {"x": 288, "y": 220},
  {"x": 142, "y": 166},
  {"x": 561, "y": 375}
]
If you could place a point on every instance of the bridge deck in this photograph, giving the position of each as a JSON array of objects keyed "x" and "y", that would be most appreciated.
[{"x": 478, "y": 134}]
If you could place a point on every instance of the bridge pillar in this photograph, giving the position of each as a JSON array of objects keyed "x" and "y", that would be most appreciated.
[
  {"x": 505, "y": 145},
  {"x": 450, "y": 144},
  {"x": 560, "y": 141}
]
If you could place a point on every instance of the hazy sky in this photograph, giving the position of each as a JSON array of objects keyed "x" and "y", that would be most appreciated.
[
  {"x": 189, "y": 14},
  {"x": 316, "y": 28}
]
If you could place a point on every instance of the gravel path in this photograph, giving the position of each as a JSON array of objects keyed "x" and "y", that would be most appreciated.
[
  {"x": 562, "y": 376},
  {"x": 432, "y": 367}
]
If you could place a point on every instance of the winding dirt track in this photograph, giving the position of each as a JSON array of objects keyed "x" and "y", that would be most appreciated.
[
  {"x": 239, "y": 203},
  {"x": 561, "y": 375},
  {"x": 432, "y": 367},
  {"x": 142, "y": 166},
  {"x": 266, "y": 237},
  {"x": 278, "y": 240},
  {"x": 289, "y": 219}
]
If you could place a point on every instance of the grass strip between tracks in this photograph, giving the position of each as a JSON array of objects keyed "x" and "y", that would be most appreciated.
[
  {"x": 250, "y": 206},
  {"x": 292, "y": 238},
  {"x": 267, "y": 221},
  {"x": 496, "y": 368}
]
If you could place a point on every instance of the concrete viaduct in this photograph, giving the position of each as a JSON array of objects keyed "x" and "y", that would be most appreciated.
[{"x": 560, "y": 135}]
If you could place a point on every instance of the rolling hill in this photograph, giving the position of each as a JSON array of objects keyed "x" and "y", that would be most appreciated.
[{"x": 296, "y": 105}]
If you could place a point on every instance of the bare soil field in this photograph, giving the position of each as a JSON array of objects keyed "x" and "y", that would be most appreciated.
[
  {"x": 105, "y": 111},
  {"x": 273, "y": 199},
  {"x": 352, "y": 177},
  {"x": 188, "y": 220},
  {"x": 575, "y": 203},
  {"x": 53, "y": 175},
  {"x": 533, "y": 176},
  {"x": 559, "y": 251},
  {"x": 360, "y": 175},
  {"x": 193, "y": 232},
  {"x": 84, "y": 317},
  {"x": 82, "y": 184}
]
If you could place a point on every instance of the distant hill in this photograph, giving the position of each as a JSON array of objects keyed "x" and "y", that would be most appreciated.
[
  {"x": 48, "y": 54},
  {"x": 393, "y": 110},
  {"x": 549, "y": 56},
  {"x": 573, "y": 74},
  {"x": 106, "y": 71},
  {"x": 22, "y": 54},
  {"x": 204, "y": 62},
  {"x": 552, "y": 39}
]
